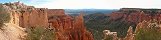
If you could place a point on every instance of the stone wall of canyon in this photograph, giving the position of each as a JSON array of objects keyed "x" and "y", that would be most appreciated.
[
  {"x": 68, "y": 28},
  {"x": 137, "y": 18},
  {"x": 65, "y": 26},
  {"x": 136, "y": 15},
  {"x": 34, "y": 17}
]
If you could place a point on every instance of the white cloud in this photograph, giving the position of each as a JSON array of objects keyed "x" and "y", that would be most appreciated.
[{"x": 100, "y": 4}]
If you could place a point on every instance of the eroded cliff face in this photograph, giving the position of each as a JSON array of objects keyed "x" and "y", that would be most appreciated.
[
  {"x": 145, "y": 25},
  {"x": 110, "y": 35},
  {"x": 69, "y": 28},
  {"x": 10, "y": 30},
  {"x": 55, "y": 12},
  {"x": 26, "y": 16},
  {"x": 7, "y": 8},
  {"x": 136, "y": 18},
  {"x": 34, "y": 17},
  {"x": 135, "y": 15},
  {"x": 130, "y": 34}
]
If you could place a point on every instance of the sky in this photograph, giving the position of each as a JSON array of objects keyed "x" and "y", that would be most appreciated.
[{"x": 90, "y": 4}]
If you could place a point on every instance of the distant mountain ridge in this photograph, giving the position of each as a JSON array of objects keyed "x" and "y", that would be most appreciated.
[
  {"x": 119, "y": 21},
  {"x": 89, "y": 11}
]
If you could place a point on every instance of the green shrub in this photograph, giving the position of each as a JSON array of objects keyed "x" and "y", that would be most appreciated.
[
  {"x": 40, "y": 33},
  {"x": 109, "y": 38},
  {"x": 4, "y": 18},
  {"x": 148, "y": 34}
]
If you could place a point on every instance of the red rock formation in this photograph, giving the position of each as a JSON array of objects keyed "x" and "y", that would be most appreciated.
[
  {"x": 25, "y": 16},
  {"x": 34, "y": 17},
  {"x": 108, "y": 34},
  {"x": 141, "y": 25},
  {"x": 68, "y": 28},
  {"x": 135, "y": 15},
  {"x": 52, "y": 12},
  {"x": 130, "y": 35},
  {"x": 14, "y": 17}
]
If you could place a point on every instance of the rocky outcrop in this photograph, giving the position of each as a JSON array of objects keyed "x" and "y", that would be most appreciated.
[
  {"x": 68, "y": 28},
  {"x": 14, "y": 17},
  {"x": 141, "y": 25},
  {"x": 55, "y": 12},
  {"x": 34, "y": 17},
  {"x": 135, "y": 15},
  {"x": 149, "y": 30},
  {"x": 24, "y": 15},
  {"x": 108, "y": 35},
  {"x": 148, "y": 24},
  {"x": 130, "y": 34}
]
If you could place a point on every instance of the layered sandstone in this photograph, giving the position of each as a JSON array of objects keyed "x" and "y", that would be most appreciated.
[
  {"x": 34, "y": 17},
  {"x": 108, "y": 34},
  {"x": 55, "y": 12},
  {"x": 137, "y": 18},
  {"x": 130, "y": 34},
  {"x": 142, "y": 25},
  {"x": 68, "y": 28},
  {"x": 11, "y": 30},
  {"x": 24, "y": 15},
  {"x": 148, "y": 24},
  {"x": 135, "y": 15}
]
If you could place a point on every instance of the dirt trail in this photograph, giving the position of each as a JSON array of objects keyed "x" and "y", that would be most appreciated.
[{"x": 11, "y": 32}]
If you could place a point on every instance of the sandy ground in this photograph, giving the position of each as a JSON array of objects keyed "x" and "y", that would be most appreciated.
[{"x": 11, "y": 32}]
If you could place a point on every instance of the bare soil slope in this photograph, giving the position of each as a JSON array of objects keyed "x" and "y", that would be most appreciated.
[{"x": 11, "y": 32}]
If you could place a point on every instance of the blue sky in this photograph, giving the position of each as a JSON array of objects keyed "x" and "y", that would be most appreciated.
[{"x": 90, "y": 4}]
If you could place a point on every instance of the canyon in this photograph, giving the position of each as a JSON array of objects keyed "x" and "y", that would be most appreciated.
[
  {"x": 124, "y": 21},
  {"x": 66, "y": 27},
  {"x": 123, "y": 24},
  {"x": 136, "y": 15},
  {"x": 137, "y": 19}
]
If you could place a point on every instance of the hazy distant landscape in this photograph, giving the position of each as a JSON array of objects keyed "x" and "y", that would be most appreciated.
[
  {"x": 89, "y": 11},
  {"x": 80, "y": 20}
]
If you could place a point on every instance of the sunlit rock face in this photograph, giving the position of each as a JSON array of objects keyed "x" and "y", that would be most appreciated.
[
  {"x": 137, "y": 18},
  {"x": 135, "y": 15},
  {"x": 130, "y": 34},
  {"x": 34, "y": 17},
  {"x": 148, "y": 24},
  {"x": 11, "y": 30},
  {"x": 24, "y": 15},
  {"x": 108, "y": 34},
  {"x": 55, "y": 12},
  {"x": 66, "y": 27},
  {"x": 8, "y": 8},
  {"x": 69, "y": 28}
]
